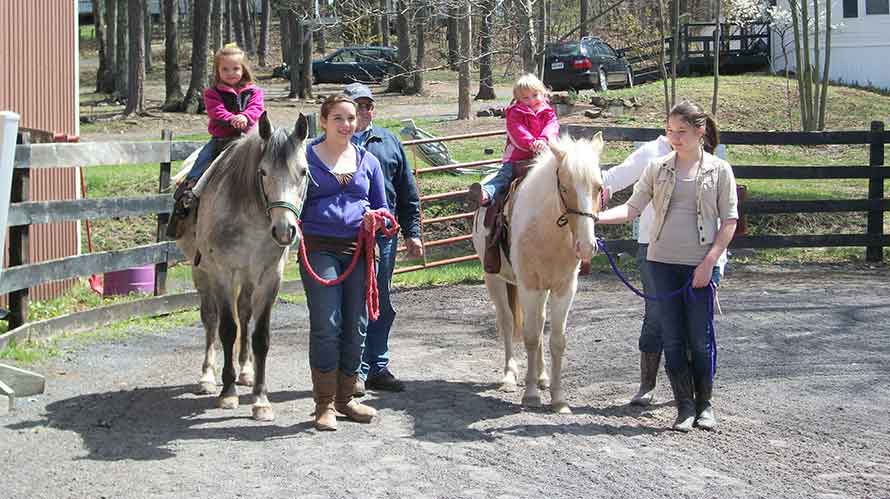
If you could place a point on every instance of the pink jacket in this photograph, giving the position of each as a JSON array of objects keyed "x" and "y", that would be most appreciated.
[
  {"x": 524, "y": 126},
  {"x": 224, "y": 103}
]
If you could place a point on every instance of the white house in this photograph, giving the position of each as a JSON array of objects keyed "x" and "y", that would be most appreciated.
[{"x": 860, "y": 45}]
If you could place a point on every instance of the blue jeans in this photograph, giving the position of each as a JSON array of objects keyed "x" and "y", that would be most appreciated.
[
  {"x": 684, "y": 320},
  {"x": 205, "y": 157},
  {"x": 338, "y": 316},
  {"x": 500, "y": 182},
  {"x": 650, "y": 333},
  {"x": 376, "y": 354}
]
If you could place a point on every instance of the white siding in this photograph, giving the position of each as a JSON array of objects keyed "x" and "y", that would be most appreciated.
[{"x": 860, "y": 48}]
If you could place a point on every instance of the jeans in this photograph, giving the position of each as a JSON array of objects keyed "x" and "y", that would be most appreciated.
[
  {"x": 650, "y": 333},
  {"x": 203, "y": 161},
  {"x": 338, "y": 316},
  {"x": 499, "y": 182},
  {"x": 684, "y": 320},
  {"x": 376, "y": 354}
]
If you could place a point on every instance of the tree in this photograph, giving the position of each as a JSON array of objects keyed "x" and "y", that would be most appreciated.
[
  {"x": 136, "y": 80},
  {"x": 464, "y": 103},
  {"x": 812, "y": 86},
  {"x": 384, "y": 22},
  {"x": 451, "y": 35},
  {"x": 585, "y": 8},
  {"x": 420, "y": 20},
  {"x": 247, "y": 28},
  {"x": 147, "y": 29},
  {"x": 110, "y": 46},
  {"x": 172, "y": 87},
  {"x": 263, "y": 50},
  {"x": 194, "y": 101},
  {"x": 121, "y": 68},
  {"x": 486, "y": 80},
  {"x": 99, "y": 23},
  {"x": 216, "y": 25},
  {"x": 399, "y": 83},
  {"x": 235, "y": 17},
  {"x": 305, "y": 87},
  {"x": 717, "y": 30},
  {"x": 526, "y": 34},
  {"x": 675, "y": 48},
  {"x": 664, "y": 76}
]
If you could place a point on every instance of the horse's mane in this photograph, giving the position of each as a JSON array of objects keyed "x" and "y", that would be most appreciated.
[
  {"x": 578, "y": 161},
  {"x": 238, "y": 166}
]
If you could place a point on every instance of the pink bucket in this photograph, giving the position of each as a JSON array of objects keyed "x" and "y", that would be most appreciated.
[{"x": 122, "y": 282}]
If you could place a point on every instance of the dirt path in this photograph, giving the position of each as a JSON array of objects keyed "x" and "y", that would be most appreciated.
[{"x": 802, "y": 396}]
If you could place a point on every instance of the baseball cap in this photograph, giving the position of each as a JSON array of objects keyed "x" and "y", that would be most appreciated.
[{"x": 357, "y": 91}]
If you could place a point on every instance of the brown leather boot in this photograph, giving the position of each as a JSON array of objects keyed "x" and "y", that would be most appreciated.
[
  {"x": 324, "y": 388},
  {"x": 347, "y": 405}
]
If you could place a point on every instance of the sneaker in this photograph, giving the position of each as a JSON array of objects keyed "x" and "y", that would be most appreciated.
[
  {"x": 384, "y": 380},
  {"x": 476, "y": 196}
]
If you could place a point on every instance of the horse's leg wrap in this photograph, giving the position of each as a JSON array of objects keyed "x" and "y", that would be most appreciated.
[
  {"x": 348, "y": 406},
  {"x": 324, "y": 388}
]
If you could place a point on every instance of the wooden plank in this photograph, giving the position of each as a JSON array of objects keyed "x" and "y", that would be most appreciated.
[
  {"x": 41, "y": 212},
  {"x": 875, "y": 222},
  {"x": 819, "y": 206},
  {"x": 26, "y": 276},
  {"x": 23, "y": 383},
  {"x": 810, "y": 241},
  {"x": 729, "y": 138},
  {"x": 62, "y": 155},
  {"x": 160, "y": 285},
  {"x": 809, "y": 172},
  {"x": 19, "y": 244}
]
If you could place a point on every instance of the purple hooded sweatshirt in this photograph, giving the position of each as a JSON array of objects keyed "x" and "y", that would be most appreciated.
[{"x": 334, "y": 210}]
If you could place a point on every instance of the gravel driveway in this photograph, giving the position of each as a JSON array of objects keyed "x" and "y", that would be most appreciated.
[{"x": 802, "y": 396}]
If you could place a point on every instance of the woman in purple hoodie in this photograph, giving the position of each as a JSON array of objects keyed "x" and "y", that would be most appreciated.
[{"x": 347, "y": 184}]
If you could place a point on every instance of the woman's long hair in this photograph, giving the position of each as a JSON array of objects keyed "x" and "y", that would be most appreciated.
[{"x": 694, "y": 116}]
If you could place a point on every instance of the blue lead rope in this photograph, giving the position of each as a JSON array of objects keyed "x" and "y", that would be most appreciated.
[{"x": 689, "y": 295}]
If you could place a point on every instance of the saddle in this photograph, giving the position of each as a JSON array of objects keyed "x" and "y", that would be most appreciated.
[{"x": 496, "y": 221}]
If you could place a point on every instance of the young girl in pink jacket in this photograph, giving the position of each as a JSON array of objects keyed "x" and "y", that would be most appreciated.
[{"x": 531, "y": 125}]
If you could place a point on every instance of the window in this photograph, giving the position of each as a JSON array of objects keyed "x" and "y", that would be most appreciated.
[
  {"x": 851, "y": 8},
  {"x": 873, "y": 7}
]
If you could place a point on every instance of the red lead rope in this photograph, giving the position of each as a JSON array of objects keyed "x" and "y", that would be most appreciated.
[{"x": 367, "y": 245}]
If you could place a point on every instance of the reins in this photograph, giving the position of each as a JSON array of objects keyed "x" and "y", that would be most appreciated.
[
  {"x": 688, "y": 295},
  {"x": 367, "y": 243}
]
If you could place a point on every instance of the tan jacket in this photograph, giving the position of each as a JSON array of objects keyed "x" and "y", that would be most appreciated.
[{"x": 716, "y": 194}]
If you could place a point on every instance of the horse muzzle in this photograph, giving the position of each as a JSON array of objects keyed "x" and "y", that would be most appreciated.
[{"x": 285, "y": 234}]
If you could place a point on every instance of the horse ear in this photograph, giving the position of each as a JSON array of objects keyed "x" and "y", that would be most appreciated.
[
  {"x": 597, "y": 142},
  {"x": 558, "y": 150},
  {"x": 301, "y": 129},
  {"x": 265, "y": 127}
]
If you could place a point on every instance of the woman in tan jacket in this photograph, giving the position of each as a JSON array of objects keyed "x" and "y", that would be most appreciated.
[{"x": 694, "y": 197}]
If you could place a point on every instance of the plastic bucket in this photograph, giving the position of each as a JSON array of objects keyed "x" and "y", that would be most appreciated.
[{"x": 123, "y": 282}]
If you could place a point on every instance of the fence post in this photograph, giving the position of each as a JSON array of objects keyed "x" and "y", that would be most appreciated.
[
  {"x": 163, "y": 218},
  {"x": 876, "y": 191},
  {"x": 19, "y": 242}
]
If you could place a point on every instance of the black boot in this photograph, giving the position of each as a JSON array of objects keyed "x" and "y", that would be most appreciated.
[
  {"x": 649, "y": 363},
  {"x": 681, "y": 384},
  {"x": 704, "y": 413}
]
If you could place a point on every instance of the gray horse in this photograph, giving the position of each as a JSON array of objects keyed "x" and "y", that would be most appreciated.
[{"x": 238, "y": 240}]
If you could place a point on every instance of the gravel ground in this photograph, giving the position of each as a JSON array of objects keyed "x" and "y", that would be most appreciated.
[{"x": 801, "y": 394}]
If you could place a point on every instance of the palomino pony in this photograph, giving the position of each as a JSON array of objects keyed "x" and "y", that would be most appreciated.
[
  {"x": 238, "y": 240},
  {"x": 551, "y": 219}
]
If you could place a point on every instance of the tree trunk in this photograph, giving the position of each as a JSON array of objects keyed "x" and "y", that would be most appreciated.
[
  {"x": 525, "y": 34},
  {"x": 99, "y": 23},
  {"x": 110, "y": 46},
  {"x": 136, "y": 78},
  {"x": 584, "y": 14},
  {"x": 400, "y": 82},
  {"x": 675, "y": 50},
  {"x": 194, "y": 101},
  {"x": 661, "y": 57},
  {"x": 420, "y": 23},
  {"x": 216, "y": 25},
  {"x": 121, "y": 68},
  {"x": 172, "y": 87},
  {"x": 451, "y": 36},
  {"x": 147, "y": 35},
  {"x": 824, "y": 94},
  {"x": 237, "y": 26},
  {"x": 247, "y": 28},
  {"x": 284, "y": 35},
  {"x": 716, "y": 63},
  {"x": 464, "y": 102},
  {"x": 305, "y": 90},
  {"x": 486, "y": 80},
  {"x": 263, "y": 49},
  {"x": 540, "y": 30},
  {"x": 228, "y": 33},
  {"x": 293, "y": 52},
  {"x": 384, "y": 23}
]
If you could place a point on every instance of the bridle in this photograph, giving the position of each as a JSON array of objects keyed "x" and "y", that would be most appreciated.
[
  {"x": 296, "y": 210},
  {"x": 564, "y": 219}
]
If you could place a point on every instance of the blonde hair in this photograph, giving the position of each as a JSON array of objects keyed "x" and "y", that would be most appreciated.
[
  {"x": 529, "y": 82},
  {"x": 231, "y": 50}
]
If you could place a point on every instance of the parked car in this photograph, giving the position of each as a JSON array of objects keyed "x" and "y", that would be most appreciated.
[
  {"x": 588, "y": 63},
  {"x": 350, "y": 64}
]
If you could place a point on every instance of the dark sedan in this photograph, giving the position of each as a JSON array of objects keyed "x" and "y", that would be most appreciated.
[
  {"x": 588, "y": 63},
  {"x": 350, "y": 64}
]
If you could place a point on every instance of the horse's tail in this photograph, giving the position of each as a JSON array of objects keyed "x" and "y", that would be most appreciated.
[{"x": 513, "y": 298}]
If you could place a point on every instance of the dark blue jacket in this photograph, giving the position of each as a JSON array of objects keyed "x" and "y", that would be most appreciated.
[{"x": 401, "y": 190}]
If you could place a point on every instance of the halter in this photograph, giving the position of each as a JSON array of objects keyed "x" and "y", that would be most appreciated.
[
  {"x": 564, "y": 219},
  {"x": 279, "y": 204}
]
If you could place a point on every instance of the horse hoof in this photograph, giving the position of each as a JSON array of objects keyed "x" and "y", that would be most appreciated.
[
  {"x": 245, "y": 380},
  {"x": 228, "y": 402},
  {"x": 206, "y": 388},
  {"x": 544, "y": 384},
  {"x": 531, "y": 401},
  {"x": 507, "y": 387},
  {"x": 263, "y": 413},
  {"x": 562, "y": 408}
]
